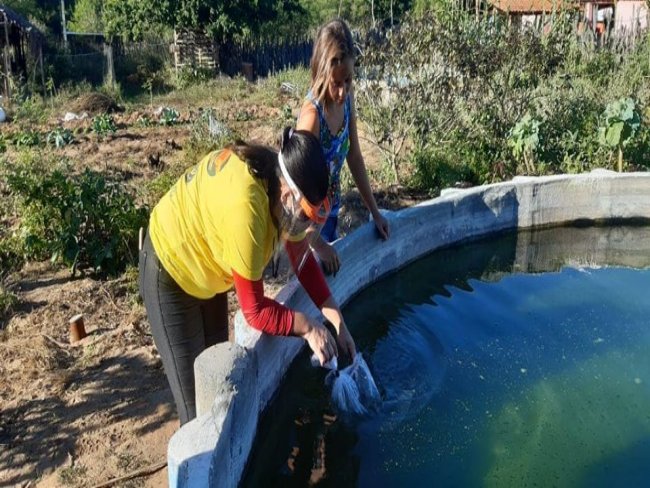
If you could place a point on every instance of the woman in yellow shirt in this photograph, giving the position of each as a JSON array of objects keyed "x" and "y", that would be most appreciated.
[{"x": 216, "y": 228}]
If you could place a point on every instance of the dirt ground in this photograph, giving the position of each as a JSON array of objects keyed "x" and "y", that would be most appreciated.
[{"x": 83, "y": 414}]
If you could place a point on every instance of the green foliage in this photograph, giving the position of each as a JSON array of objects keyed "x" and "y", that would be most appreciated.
[
  {"x": 84, "y": 221},
  {"x": 189, "y": 75},
  {"x": 144, "y": 121},
  {"x": 43, "y": 13},
  {"x": 152, "y": 80},
  {"x": 169, "y": 116},
  {"x": 524, "y": 141},
  {"x": 87, "y": 16},
  {"x": 3, "y": 143},
  {"x": 30, "y": 110},
  {"x": 224, "y": 20},
  {"x": 60, "y": 137},
  {"x": 287, "y": 113},
  {"x": 8, "y": 302},
  {"x": 357, "y": 14},
  {"x": 103, "y": 125},
  {"x": 435, "y": 170},
  {"x": 471, "y": 98},
  {"x": 620, "y": 123},
  {"x": 156, "y": 188},
  {"x": 11, "y": 255},
  {"x": 26, "y": 139}
]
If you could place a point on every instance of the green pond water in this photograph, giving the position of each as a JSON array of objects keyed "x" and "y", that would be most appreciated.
[{"x": 523, "y": 360}]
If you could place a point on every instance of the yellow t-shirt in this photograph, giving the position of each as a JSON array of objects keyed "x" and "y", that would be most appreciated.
[{"x": 213, "y": 221}]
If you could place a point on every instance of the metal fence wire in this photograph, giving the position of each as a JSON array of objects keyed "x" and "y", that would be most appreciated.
[{"x": 84, "y": 58}]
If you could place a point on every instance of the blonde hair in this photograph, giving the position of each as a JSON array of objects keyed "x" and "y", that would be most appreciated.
[{"x": 333, "y": 45}]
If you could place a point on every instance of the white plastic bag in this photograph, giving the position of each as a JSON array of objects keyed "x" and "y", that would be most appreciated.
[{"x": 354, "y": 391}]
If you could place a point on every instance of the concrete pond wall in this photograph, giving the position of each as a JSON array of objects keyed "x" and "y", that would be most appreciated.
[{"x": 236, "y": 381}]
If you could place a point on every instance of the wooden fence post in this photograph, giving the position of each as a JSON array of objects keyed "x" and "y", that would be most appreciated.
[
  {"x": 7, "y": 69},
  {"x": 109, "y": 78}
]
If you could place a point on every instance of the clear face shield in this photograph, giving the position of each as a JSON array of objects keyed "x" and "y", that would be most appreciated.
[{"x": 301, "y": 220}]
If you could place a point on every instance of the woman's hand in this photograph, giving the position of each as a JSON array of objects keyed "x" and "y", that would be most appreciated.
[
  {"x": 382, "y": 226},
  {"x": 327, "y": 255},
  {"x": 321, "y": 342},
  {"x": 346, "y": 342}
]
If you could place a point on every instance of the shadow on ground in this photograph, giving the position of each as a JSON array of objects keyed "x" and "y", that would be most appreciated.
[{"x": 42, "y": 432}]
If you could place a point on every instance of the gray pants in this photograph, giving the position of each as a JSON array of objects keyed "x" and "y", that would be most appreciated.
[{"x": 182, "y": 326}]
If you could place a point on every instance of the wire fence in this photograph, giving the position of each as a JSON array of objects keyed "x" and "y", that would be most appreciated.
[
  {"x": 87, "y": 59},
  {"x": 266, "y": 57},
  {"x": 90, "y": 59}
]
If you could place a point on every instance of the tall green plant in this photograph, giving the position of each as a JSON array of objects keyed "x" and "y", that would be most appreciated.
[
  {"x": 620, "y": 123},
  {"x": 524, "y": 141}
]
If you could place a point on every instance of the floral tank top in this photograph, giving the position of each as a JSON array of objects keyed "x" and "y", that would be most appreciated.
[{"x": 335, "y": 148}]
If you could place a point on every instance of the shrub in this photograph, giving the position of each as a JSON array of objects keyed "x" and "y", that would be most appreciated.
[
  {"x": 84, "y": 221},
  {"x": 11, "y": 255},
  {"x": 31, "y": 110},
  {"x": 525, "y": 141},
  {"x": 447, "y": 90},
  {"x": 103, "y": 124},
  {"x": 8, "y": 302},
  {"x": 188, "y": 76},
  {"x": 27, "y": 138},
  {"x": 59, "y": 137},
  {"x": 169, "y": 116}
]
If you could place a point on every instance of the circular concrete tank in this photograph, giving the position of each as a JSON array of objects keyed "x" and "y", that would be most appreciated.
[{"x": 235, "y": 382}]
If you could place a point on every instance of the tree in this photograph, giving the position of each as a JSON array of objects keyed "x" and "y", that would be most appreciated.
[
  {"x": 221, "y": 19},
  {"x": 45, "y": 14},
  {"x": 357, "y": 13},
  {"x": 87, "y": 16}
]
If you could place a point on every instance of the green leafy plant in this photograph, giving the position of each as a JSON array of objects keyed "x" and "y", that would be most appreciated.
[
  {"x": 524, "y": 140},
  {"x": 11, "y": 255},
  {"x": 287, "y": 113},
  {"x": 169, "y": 116},
  {"x": 8, "y": 302},
  {"x": 152, "y": 79},
  {"x": 144, "y": 121},
  {"x": 82, "y": 220},
  {"x": 620, "y": 123},
  {"x": 27, "y": 139},
  {"x": 103, "y": 125},
  {"x": 30, "y": 109},
  {"x": 188, "y": 76},
  {"x": 3, "y": 144},
  {"x": 59, "y": 137}
]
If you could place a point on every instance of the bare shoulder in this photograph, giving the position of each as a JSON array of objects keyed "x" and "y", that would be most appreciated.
[{"x": 308, "y": 118}]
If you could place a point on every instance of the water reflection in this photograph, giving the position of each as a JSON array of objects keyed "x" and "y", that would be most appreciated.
[{"x": 498, "y": 364}]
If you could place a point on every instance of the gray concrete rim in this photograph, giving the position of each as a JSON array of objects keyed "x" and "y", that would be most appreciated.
[{"x": 235, "y": 382}]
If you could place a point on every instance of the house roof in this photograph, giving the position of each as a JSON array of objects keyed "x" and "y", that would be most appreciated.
[
  {"x": 532, "y": 6},
  {"x": 23, "y": 24}
]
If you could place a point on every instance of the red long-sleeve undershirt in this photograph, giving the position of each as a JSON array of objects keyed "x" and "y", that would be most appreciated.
[{"x": 268, "y": 315}]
